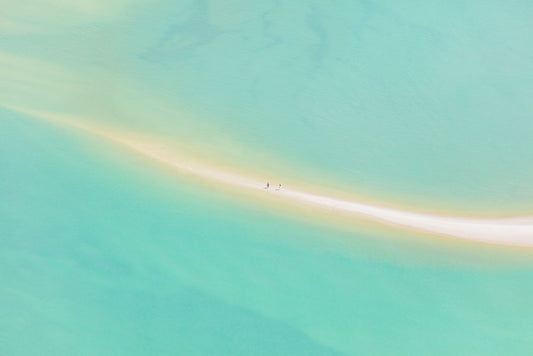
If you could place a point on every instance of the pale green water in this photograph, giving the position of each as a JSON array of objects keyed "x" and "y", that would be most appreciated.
[
  {"x": 409, "y": 102},
  {"x": 101, "y": 254}
]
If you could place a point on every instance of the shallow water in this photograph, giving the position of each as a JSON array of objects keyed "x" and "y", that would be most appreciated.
[
  {"x": 420, "y": 104},
  {"x": 107, "y": 259},
  {"x": 105, "y": 253}
]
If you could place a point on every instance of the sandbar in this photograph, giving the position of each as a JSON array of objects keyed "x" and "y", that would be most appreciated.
[{"x": 516, "y": 231}]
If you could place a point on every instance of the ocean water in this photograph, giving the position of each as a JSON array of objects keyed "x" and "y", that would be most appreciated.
[
  {"x": 105, "y": 253},
  {"x": 106, "y": 259},
  {"x": 418, "y": 104}
]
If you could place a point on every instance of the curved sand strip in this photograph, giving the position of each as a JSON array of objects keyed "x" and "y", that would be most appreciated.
[{"x": 509, "y": 231}]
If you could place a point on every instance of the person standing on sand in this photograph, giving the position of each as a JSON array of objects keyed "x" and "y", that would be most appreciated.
[
  {"x": 268, "y": 185},
  {"x": 279, "y": 187}
]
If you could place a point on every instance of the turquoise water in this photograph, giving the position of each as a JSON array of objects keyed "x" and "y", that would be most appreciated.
[
  {"x": 410, "y": 103},
  {"x": 104, "y": 253},
  {"x": 99, "y": 258}
]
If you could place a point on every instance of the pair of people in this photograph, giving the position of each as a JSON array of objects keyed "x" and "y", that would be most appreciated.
[{"x": 268, "y": 186}]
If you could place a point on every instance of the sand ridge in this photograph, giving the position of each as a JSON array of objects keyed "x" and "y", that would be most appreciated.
[{"x": 506, "y": 231}]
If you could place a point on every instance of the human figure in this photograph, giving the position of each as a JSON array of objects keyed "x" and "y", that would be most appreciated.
[
  {"x": 268, "y": 185},
  {"x": 279, "y": 187}
]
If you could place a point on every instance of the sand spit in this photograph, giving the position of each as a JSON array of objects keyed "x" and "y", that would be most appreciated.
[{"x": 508, "y": 231}]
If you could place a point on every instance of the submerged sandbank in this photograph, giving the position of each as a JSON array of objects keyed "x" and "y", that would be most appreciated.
[{"x": 505, "y": 231}]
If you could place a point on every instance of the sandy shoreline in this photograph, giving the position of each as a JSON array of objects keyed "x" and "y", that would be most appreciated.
[{"x": 509, "y": 231}]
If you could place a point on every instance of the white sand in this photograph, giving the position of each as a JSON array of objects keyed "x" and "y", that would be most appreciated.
[
  {"x": 514, "y": 231},
  {"x": 510, "y": 231}
]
